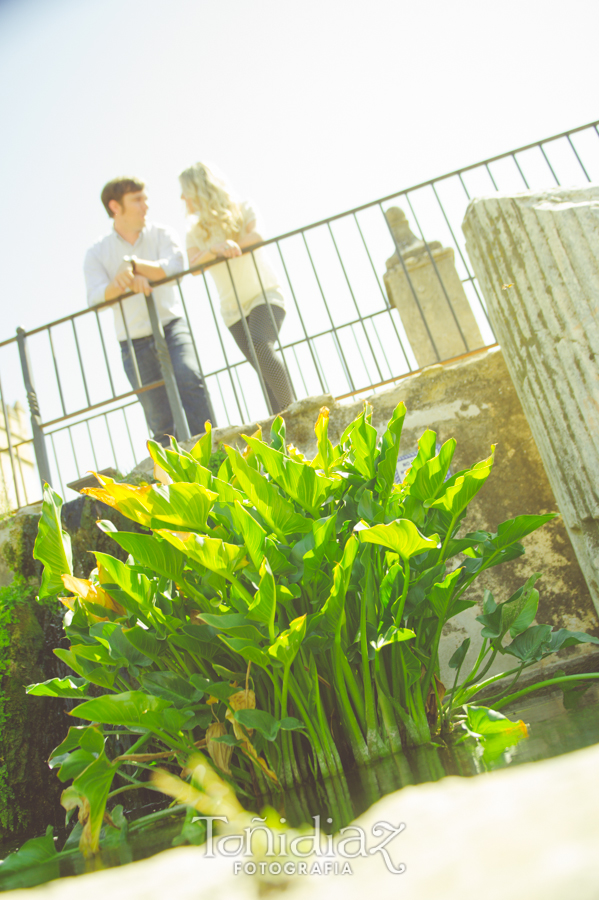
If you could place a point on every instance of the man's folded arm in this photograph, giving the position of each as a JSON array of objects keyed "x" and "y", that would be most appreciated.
[{"x": 98, "y": 283}]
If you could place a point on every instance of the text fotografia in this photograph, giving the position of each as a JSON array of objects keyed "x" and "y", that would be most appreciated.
[{"x": 260, "y": 849}]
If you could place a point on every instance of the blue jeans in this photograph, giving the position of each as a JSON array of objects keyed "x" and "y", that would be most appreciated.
[{"x": 189, "y": 381}]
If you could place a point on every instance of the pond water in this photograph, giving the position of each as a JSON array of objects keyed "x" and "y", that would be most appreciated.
[{"x": 552, "y": 730}]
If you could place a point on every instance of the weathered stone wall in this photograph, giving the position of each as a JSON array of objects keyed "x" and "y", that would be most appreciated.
[
  {"x": 30, "y": 727},
  {"x": 537, "y": 260}
]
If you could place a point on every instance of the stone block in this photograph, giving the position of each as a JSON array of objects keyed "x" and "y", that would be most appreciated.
[{"x": 536, "y": 256}]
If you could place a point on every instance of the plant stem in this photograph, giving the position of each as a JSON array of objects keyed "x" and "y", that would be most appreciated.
[
  {"x": 535, "y": 687},
  {"x": 404, "y": 593}
]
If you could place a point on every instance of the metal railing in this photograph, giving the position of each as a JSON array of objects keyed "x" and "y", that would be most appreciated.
[{"x": 366, "y": 306}]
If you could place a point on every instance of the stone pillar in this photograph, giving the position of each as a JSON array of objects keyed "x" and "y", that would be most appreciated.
[
  {"x": 427, "y": 291},
  {"x": 536, "y": 257}
]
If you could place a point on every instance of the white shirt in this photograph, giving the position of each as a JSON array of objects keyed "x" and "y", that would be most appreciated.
[
  {"x": 102, "y": 261},
  {"x": 242, "y": 272}
]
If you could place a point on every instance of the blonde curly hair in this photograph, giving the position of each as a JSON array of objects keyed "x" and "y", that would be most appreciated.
[{"x": 217, "y": 214}]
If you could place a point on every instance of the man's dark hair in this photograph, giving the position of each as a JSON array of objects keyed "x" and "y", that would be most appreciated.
[{"x": 117, "y": 188}]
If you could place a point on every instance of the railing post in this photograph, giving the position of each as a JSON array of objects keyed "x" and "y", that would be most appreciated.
[
  {"x": 166, "y": 367},
  {"x": 39, "y": 441}
]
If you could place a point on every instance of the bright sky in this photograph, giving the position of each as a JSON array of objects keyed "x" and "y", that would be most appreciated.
[{"x": 309, "y": 108}]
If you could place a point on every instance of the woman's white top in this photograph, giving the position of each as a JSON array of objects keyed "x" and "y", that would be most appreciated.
[{"x": 244, "y": 278}]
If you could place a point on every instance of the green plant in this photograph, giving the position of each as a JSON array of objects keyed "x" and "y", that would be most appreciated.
[{"x": 285, "y": 614}]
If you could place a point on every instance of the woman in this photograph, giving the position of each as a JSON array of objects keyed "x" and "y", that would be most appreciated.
[{"x": 221, "y": 227}]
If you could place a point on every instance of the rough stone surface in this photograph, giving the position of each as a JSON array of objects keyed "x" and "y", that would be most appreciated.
[
  {"x": 536, "y": 257},
  {"x": 528, "y": 833},
  {"x": 440, "y": 324}
]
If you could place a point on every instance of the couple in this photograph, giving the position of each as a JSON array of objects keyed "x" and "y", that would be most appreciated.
[{"x": 134, "y": 254}]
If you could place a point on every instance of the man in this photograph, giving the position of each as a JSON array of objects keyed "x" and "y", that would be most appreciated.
[{"x": 127, "y": 259}]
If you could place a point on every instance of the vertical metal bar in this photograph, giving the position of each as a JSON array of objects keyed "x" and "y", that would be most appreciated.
[
  {"x": 222, "y": 346},
  {"x": 166, "y": 367},
  {"x": 23, "y": 482},
  {"x": 340, "y": 352},
  {"x": 222, "y": 397},
  {"x": 10, "y": 447},
  {"x": 129, "y": 434},
  {"x": 273, "y": 323},
  {"x": 586, "y": 174},
  {"x": 299, "y": 369},
  {"x": 250, "y": 341},
  {"x": 409, "y": 280},
  {"x": 130, "y": 346},
  {"x": 521, "y": 172},
  {"x": 378, "y": 337},
  {"x": 384, "y": 295},
  {"x": 74, "y": 454},
  {"x": 64, "y": 411},
  {"x": 462, "y": 257},
  {"x": 463, "y": 185},
  {"x": 107, "y": 423},
  {"x": 195, "y": 350},
  {"x": 542, "y": 149},
  {"x": 368, "y": 375},
  {"x": 300, "y": 317},
  {"x": 438, "y": 274},
  {"x": 56, "y": 464},
  {"x": 89, "y": 403},
  {"x": 491, "y": 176},
  {"x": 354, "y": 301},
  {"x": 247, "y": 412},
  {"x": 39, "y": 445},
  {"x": 104, "y": 351},
  {"x": 89, "y": 434}
]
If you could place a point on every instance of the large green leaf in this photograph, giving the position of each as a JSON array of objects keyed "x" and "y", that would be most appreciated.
[
  {"x": 248, "y": 649},
  {"x": 532, "y": 644},
  {"x": 515, "y": 529},
  {"x": 287, "y": 645},
  {"x": 264, "y": 607},
  {"x": 564, "y": 638},
  {"x": 60, "y": 687},
  {"x": 52, "y": 545},
  {"x": 202, "y": 449},
  {"x": 177, "y": 465},
  {"x": 234, "y": 624},
  {"x": 457, "y": 497},
  {"x": 90, "y": 790},
  {"x": 401, "y": 536},
  {"x": 145, "y": 642},
  {"x": 137, "y": 588},
  {"x": 387, "y": 461},
  {"x": 152, "y": 553},
  {"x": 392, "y": 635},
  {"x": 122, "y": 648},
  {"x": 325, "y": 458},
  {"x": 334, "y": 606},
  {"x": 431, "y": 475},
  {"x": 299, "y": 481},
  {"x": 33, "y": 863},
  {"x": 277, "y": 512},
  {"x": 253, "y": 534},
  {"x": 426, "y": 450},
  {"x": 132, "y": 709},
  {"x": 171, "y": 687},
  {"x": 362, "y": 438},
  {"x": 214, "y": 554},
  {"x": 441, "y": 595},
  {"x": 265, "y": 723}
]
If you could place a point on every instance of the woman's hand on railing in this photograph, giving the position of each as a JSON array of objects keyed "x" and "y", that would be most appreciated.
[{"x": 227, "y": 249}]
